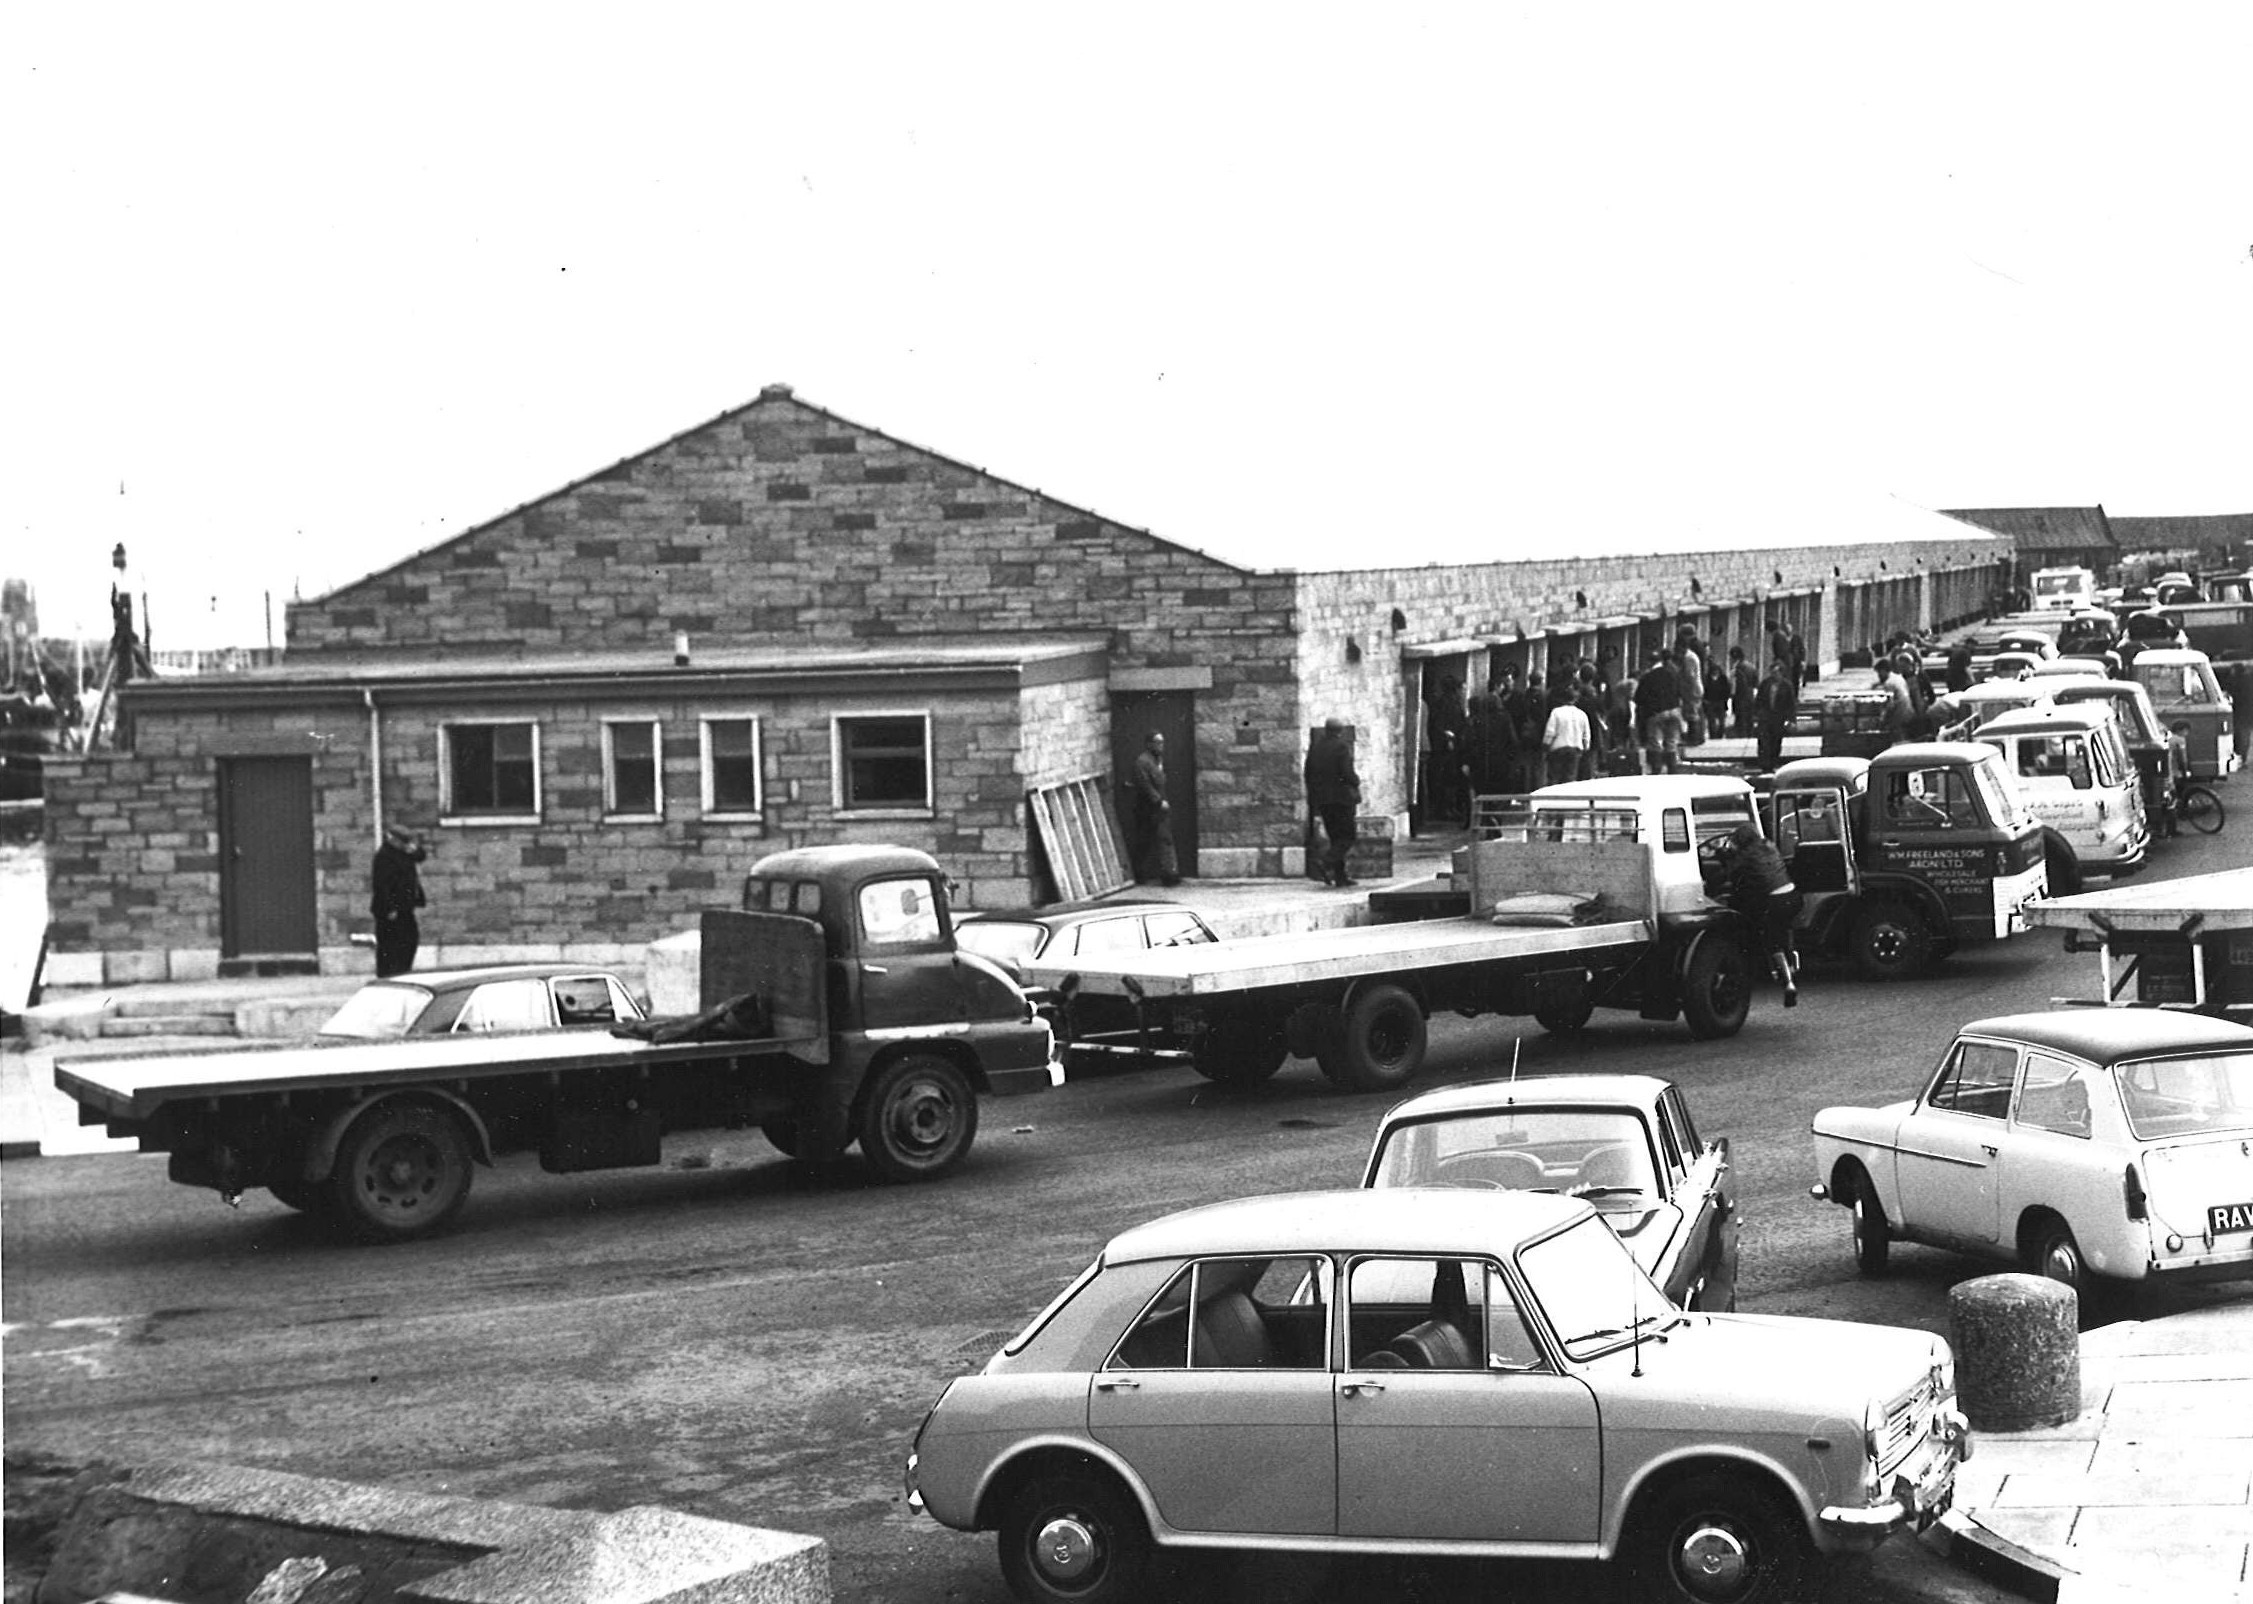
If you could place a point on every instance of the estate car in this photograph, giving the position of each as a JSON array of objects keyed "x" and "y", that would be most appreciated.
[
  {"x": 1429, "y": 1372},
  {"x": 2113, "y": 1142}
]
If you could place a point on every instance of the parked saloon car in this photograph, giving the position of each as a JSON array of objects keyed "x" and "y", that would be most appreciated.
[
  {"x": 1090, "y": 1023},
  {"x": 1623, "y": 1142},
  {"x": 2084, "y": 1142},
  {"x": 501, "y": 997},
  {"x": 1257, "y": 1374}
]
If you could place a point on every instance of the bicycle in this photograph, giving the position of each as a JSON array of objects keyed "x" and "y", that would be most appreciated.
[{"x": 2199, "y": 807}]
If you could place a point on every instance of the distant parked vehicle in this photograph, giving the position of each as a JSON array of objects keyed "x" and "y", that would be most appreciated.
[
  {"x": 1089, "y": 1023},
  {"x": 2063, "y": 589},
  {"x": 498, "y": 997},
  {"x": 2185, "y": 692}
]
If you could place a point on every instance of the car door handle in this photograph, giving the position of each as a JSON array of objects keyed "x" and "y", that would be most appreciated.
[
  {"x": 1118, "y": 1384},
  {"x": 1988, "y": 1149},
  {"x": 1353, "y": 1385}
]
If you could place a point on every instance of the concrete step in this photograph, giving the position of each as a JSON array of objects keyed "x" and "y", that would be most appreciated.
[{"x": 197, "y": 1024}]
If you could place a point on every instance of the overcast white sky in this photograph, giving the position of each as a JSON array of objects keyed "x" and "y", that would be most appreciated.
[{"x": 296, "y": 291}]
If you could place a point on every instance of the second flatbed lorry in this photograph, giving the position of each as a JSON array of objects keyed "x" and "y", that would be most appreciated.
[{"x": 1592, "y": 895}]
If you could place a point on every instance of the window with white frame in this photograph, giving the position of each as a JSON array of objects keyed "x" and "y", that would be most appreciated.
[
  {"x": 632, "y": 783},
  {"x": 490, "y": 771},
  {"x": 883, "y": 762},
  {"x": 731, "y": 766}
]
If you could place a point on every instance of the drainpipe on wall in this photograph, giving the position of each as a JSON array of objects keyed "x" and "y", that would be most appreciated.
[{"x": 375, "y": 761}]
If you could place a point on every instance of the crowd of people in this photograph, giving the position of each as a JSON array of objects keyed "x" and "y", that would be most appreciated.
[{"x": 1606, "y": 718}]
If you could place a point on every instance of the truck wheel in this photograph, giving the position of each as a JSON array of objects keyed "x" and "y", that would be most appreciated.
[
  {"x": 1717, "y": 1539},
  {"x": 401, "y": 1172},
  {"x": 1241, "y": 1051},
  {"x": 1716, "y": 987},
  {"x": 1873, "y": 1238},
  {"x": 1889, "y": 942},
  {"x": 1075, "y": 1538},
  {"x": 1381, "y": 1040},
  {"x": 919, "y": 1116}
]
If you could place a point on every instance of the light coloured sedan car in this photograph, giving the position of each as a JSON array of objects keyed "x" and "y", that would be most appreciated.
[
  {"x": 1623, "y": 1142},
  {"x": 497, "y": 997},
  {"x": 1426, "y": 1372},
  {"x": 1087, "y": 1025},
  {"x": 2086, "y": 1142}
]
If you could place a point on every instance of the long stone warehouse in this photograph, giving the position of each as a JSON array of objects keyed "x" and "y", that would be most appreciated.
[{"x": 780, "y": 628}]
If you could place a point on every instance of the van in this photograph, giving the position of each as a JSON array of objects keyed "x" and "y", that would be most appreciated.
[
  {"x": 2073, "y": 768},
  {"x": 2140, "y": 728},
  {"x": 2064, "y": 589},
  {"x": 2186, "y": 693},
  {"x": 1958, "y": 715}
]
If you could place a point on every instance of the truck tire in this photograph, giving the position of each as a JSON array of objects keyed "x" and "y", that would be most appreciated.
[
  {"x": 401, "y": 1172},
  {"x": 1381, "y": 1040},
  {"x": 1889, "y": 942},
  {"x": 2062, "y": 866},
  {"x": 1241, "y": 1051},
  {"x": 1716, "y": 986},
  {"x": 918, "y": 1117}
]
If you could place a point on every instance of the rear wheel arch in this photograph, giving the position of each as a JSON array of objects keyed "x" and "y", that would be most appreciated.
[
  {"x": 321, "y": 1145},
  {"x": 1054, "y": 1459}
]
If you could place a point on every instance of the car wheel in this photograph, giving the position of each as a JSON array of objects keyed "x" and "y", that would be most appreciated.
[
  {"x": 1384, "y": 1036},
  {"x": 1873, "y": 1238},
  {"x": 304, "y": 1196},
  {"x": 1889, "y": 942},
  {"x": 1716, "y": 987},
  {"x": 1073, "y": 1538},
  {"x": 1718, "y": 1539},
  {"x": 1241, "y": 1051},
  {"x": 918, "y": 1117},
  {"x": 2053, "y": 1253},
  {"x": 783, "y": 1133},
  {"x": 402, "y": 1172}
]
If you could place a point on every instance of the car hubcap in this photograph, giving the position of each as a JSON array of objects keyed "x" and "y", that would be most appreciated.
[
  {"x": 1065, "y": 1549},
  {"x": 2061, "y": 1263},
  {"x": 1714, "y": 1562}
]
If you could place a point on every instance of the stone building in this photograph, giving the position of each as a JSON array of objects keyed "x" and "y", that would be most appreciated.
[{"x": 782, "y": 627}]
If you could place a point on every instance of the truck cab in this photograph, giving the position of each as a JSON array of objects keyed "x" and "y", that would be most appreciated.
[
  {"x": 897, "y": 988},
  {"x": 1903, "y": 857},
  {"x": 1689, "y": 816},
  {"x": 2187, "y": 695},
  {"x": 2074, "y": 770}
]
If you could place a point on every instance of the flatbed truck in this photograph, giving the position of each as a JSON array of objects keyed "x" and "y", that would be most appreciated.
[
  {"x": 2185, "y": 944},
  {"x": 838, "y": 1010},
  {"x": 1590, "y": 895}
]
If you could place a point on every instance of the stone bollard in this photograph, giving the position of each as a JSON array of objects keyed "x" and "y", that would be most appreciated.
[{"x": 2018, "y": 1352}]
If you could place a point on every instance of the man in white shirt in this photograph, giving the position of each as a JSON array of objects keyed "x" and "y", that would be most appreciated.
[{"x": 1567, "y": 736}]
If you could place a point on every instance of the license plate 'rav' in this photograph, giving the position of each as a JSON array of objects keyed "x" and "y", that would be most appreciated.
[{"x": 2223, "y": 1217}]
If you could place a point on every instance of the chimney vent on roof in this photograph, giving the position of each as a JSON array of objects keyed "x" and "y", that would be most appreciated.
[{"x": 775, "y": 392}]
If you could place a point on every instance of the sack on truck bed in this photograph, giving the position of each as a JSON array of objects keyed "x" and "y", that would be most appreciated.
[{"x": 1549, "y": 909}]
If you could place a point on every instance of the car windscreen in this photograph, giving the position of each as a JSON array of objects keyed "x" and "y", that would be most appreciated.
[
  {"x": 378, "y": 1013},
  {"x": 1521, "y": 1150},
  {"x": 1592, "y": 1290},
  {"x": 2204, "y": 1096},
  {"x": 1001, "y": 939}
]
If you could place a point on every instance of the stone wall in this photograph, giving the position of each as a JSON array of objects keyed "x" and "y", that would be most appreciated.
[{"x": 133, "y": 838}]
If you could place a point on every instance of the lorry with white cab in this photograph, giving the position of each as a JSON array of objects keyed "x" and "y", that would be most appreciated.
[
  {"x": 1586, "y": 895},
  {"x": 837, "y": 1010}
]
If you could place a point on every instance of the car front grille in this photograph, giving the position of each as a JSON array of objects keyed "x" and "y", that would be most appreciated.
[{"x": 1908, "y": 1421}]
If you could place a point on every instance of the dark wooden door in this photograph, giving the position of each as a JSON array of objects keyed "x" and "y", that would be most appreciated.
[
  {"x": 1173, "y": 714},
  {"x": 266, "y": 906}
]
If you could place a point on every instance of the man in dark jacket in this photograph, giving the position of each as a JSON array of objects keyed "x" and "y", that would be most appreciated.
[
  {"x": 1658, "y": 716},
  {"x": 1761, "y": 889},
  {"x": 397, "y": 893},
  {"x": 1774, "y": 704},
  {"x": 1333, "y": 790}
]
